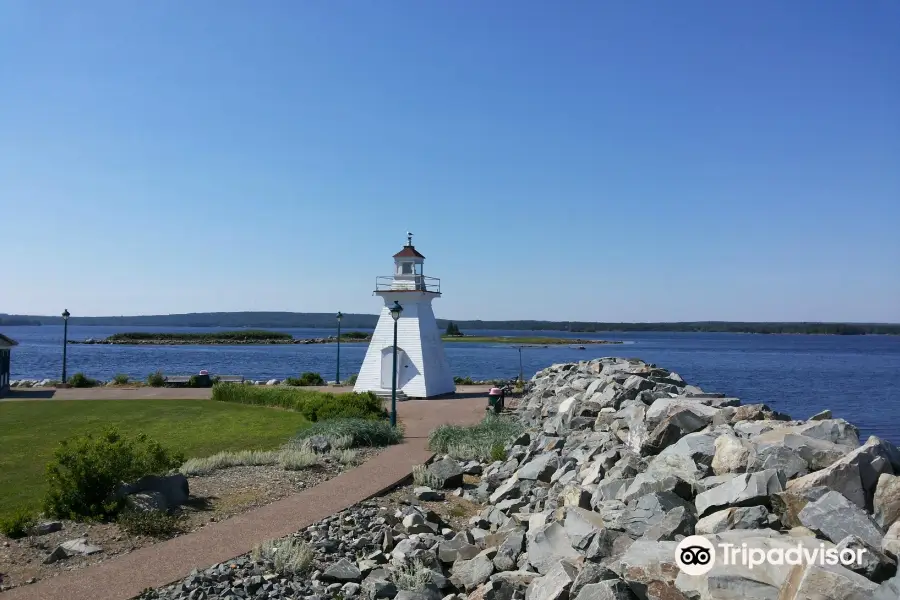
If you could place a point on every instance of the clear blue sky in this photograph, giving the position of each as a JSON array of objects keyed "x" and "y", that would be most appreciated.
[{"x": 613, "y": 161}]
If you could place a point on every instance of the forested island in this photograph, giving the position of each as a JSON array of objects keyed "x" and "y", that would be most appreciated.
[{"x": 263, "y": 320}]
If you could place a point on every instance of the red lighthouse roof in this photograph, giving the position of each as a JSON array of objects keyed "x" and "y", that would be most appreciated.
[{"x": 410, "y": 252}]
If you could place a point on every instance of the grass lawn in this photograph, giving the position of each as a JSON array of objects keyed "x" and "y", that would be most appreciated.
[{"x": 30, "y": 431}]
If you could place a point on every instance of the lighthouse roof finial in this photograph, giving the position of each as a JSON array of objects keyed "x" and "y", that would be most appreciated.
[{"x": 409, "y": 238}]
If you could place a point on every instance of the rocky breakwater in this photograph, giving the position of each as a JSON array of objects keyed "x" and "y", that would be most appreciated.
[{"x": 620, "y": 461}]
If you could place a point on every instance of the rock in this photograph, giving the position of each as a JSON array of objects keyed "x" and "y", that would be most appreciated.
[
  {"x": 147, "y": 502},
  {"x": 342, "y": 571},
  {"x": 784, "y": 459},
  {"x": 875, "y": 565},
  {"x": 890, "y": 544},
  {"x": 748, "y": 489},
  {"x": 446, "y": 473},
  {"x": 646, "y": 483},
  {"x": 174, "y": 488},
  {"x": 581, "y": 524},
  {"x": 80, "y": 546},
  {"x": 673, "y": 428},
  {"x": 379, "y": 585},
  {"x": 835, "y": 517},
  {"x": 650, "y": 510},
  {"x": 426, "y": 494},
  {"x": 46, "y": 527},
  {"x": 889, "y": 590},
  {"x": 788, "y": 504},
  {"x": 605, "y": 590},
  {"x": 274, "y": 382},
  {"x": 732, "y": 455},
  {"x": 746, "y": 517},
  {"x": 590, "y": 573},
  {"x": 678, "y": 523},
  {"x": 473, "y": 467},
  {"x": 548, "y": 545},
  {"x": 820, "y": 416},
  {"x": 575, "y": 495},
  {"x": 540, "y": 468},
  {"x": 509, "y": 551},
  {"x": 555, "y": 584},
  {"x": 886, "y": 502},
  {"x": 318, "y": 443},
  {"x": 825, "y": 582},
  {"x": 650, "y": 570},
  {"x": 349, "y": 590},
  {"x": 469, "y": 574},
  {"x": 59, "y": 553}
]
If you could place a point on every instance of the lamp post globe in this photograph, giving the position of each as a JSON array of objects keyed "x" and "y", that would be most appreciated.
[
  {"x": 396, "y": 309},
  {"x": 65, "y": 316},
  {"x": 337, "y": 376}
]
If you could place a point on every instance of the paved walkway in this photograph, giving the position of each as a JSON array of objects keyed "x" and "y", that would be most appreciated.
[
  {"x": 126, "y": 576},
  {"x": 164, "y": 393}
]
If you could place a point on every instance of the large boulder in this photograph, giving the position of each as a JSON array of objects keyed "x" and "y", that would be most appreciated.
[
  {"x": 650, "y": 510},
  {"x": 540, "y": 468},
  {"x": 886, "y": 501},
  {"x": 555, "y": 584},
  {"x": 650, "y": 570},
  {"x": 547, "y": 546},
  {"x": 732, "y": 455},
  {"x": 469, "y": 574},
  {"x": 874, "y": 564},
  {"x": 835, "y": 517},
  {"x": 743, "y": 517},
  {"x": 749, "y": 489},
  {"x": 446, "y": 474}
]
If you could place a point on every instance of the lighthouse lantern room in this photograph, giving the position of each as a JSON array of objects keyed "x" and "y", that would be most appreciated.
[{"x": 422, "y": 369}]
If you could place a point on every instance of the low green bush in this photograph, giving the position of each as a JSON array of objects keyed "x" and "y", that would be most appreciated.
[
  {"x": 87, "y": 469},
  {"x": 18, "y": 524},
  {"x": 361, "y": 433},
  {"x": 153, "y": 523},
  {"x": 80, "y": 380},
  {"x": 307, "y": 378},
  {"x": 484, "y": 441},
  {"x": 351, "y": 380},
  {"x": 313, "y": 404},
  {"x": 463, "y": 381},
  {"x": 156, "y": 379},
  {"x": 121, "y": 379}
]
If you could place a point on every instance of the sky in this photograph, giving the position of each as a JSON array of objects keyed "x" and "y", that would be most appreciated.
[{"x": 590, "y": 161}]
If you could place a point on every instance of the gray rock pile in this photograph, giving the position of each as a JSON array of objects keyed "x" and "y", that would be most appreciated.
[{"x": 621, "y": 461}]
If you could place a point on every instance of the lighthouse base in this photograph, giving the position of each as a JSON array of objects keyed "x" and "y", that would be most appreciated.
[{"x": 422, "y": 368}]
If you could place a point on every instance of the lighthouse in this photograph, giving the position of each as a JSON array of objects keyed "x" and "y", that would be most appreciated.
[{"x": 422, "y": 369}]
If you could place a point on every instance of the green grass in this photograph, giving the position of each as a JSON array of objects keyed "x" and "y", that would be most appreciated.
[
  {"x": 354, "y": 433},
  {"x": 313, "y": 404},
  {"x": 30, "y": 431},
  {"x": 536, "y": 341}
]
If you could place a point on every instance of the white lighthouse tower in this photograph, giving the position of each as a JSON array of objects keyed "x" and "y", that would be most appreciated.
[{"x": 422, "y": 369}]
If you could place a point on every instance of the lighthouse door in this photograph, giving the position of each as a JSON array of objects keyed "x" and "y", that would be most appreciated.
[{"x": 387, "y": 359}]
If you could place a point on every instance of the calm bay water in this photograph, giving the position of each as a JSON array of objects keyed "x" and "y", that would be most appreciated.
[{"x": 854, "y": 376}]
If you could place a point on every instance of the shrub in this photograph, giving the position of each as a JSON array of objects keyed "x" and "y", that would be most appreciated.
[
  {"x": 153, "y": 523},
  {"x": 352, "y": 379},
  {"x": 412, "y": 577},
  {"x": 361, "y": 433},
  {"x": 296, "y": 458},
  {"x": 222, "y": 460},
  {"x": 80, "y": 380},
  {"x": 345, "y": 457},
  {"x": 315, "y": 405},
  {"x": 475, "y": 442},
  {"x": 121, "y": 379},
  {"x": 463, "y": 381},
  {"x": 291, "y": 556},
  {"x": 307, "y": 378},
  {"x": 17, "y": 524},
  {"x": 87, "y": 469},
  {"x": 422, "y": 476},
  {"x": 199, "y": 381},
  {"x": 156, "y": 379}
]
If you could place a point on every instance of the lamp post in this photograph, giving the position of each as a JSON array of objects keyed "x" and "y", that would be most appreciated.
[
  {"x": 396, "y": 309},
  {"x": 337, "y": 377},
  {"x": 65, "y": 316},
  {"x": 521, "y": 372}
]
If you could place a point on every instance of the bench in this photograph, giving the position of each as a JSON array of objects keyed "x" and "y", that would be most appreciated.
[{"x": 202, "y": 380}]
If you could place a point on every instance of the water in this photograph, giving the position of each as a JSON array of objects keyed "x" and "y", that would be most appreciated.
[{"x": 854, "y": 376}]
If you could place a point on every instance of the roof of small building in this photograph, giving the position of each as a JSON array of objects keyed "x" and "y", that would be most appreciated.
[
  {"x": 408, "y": 252},
  {"x": 7, "y": 342}
]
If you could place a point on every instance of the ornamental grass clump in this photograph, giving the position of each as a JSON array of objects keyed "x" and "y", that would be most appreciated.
[
  {"x": 291, "y": 556},
  {"x": 484, "y": 441},
  {"x": 353, "y": 433},
  {"x": 313, "y": 404}
]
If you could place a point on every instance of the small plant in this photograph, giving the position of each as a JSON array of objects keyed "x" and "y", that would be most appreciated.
[
  {"x": 297, "y": 458},
  {"x": 153, "y": 523},
  {"x": 361, "y": 432},
  {"x": 222, "y": 460},
  {"x": 120, "y": 379},
  {"x": 87, "y": 469},
  {"x": 422, "y": 476},
  {"x": 352, "y": 379},
  {"x": 156, "y": 379},
  {"x": 498, "y": 452},
  {"x": 18, "y": 524},
  {"x": 80, "y": 380},
  {"x": 412, "y": 577},
  {"x": 291, "y": 556},
  {"x": 305, "y": 379},
  {"x": 345, "y": 457}
]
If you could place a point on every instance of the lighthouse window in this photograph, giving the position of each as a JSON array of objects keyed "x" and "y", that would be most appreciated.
[
  {"x": 418, "y": 268},
  {"x": 407, "y": 269}
]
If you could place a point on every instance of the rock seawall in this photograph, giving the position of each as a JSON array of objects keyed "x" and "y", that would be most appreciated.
[{"x": 620, "y": 462}]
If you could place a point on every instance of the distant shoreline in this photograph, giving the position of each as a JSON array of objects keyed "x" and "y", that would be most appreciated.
[{"x": 287, "y": 320}]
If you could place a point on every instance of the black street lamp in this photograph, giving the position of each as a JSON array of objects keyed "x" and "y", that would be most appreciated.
[
  {"x": 396, "y": 309},
  {"x": 337, "y": 377},
  {"x": 65, "y": 316}
]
